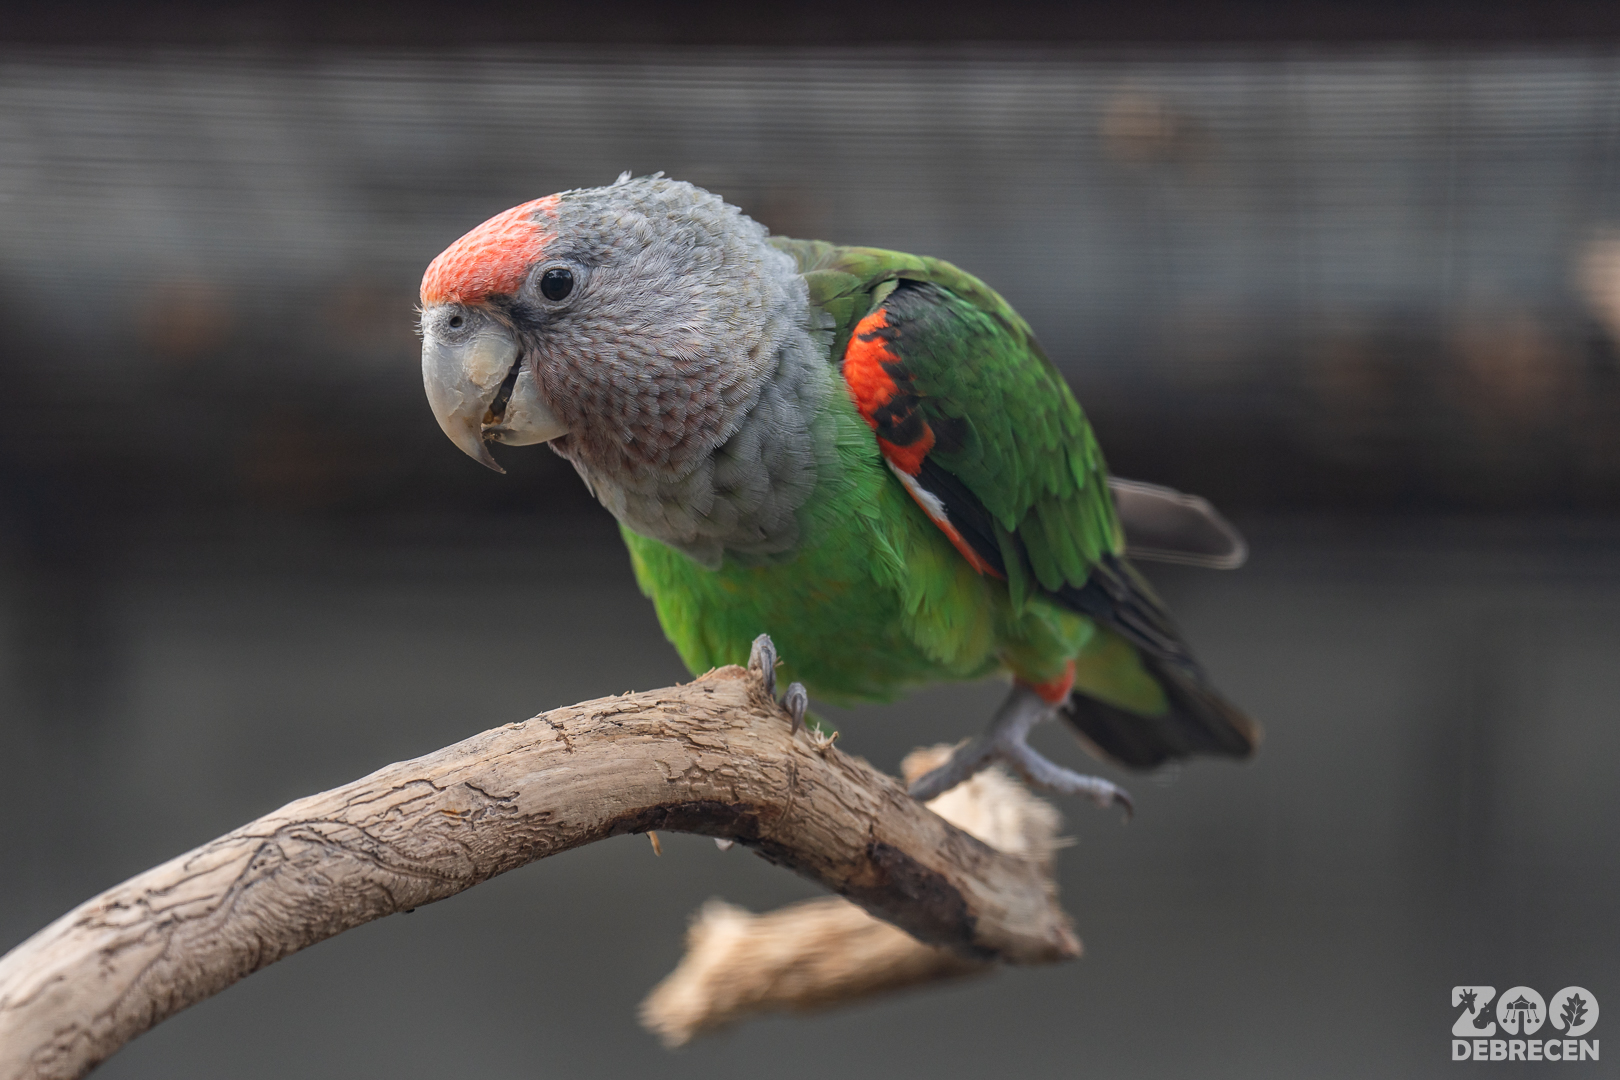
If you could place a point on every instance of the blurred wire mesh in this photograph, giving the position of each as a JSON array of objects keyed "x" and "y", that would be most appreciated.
[{"x": 1381, "y": 279}]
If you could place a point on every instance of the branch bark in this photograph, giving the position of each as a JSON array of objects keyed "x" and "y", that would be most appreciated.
[
  {"x": 827, "y": 952},
  {"x": 715, "y": 757}
]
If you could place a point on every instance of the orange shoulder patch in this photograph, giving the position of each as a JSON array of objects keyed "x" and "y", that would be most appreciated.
[
  {"x": 869, "y": 384},
  {"x": 877, "y": 380},
  {"x": 883, "y": 395}
]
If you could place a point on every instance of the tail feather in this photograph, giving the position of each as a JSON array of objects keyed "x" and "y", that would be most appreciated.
[{"x": 1199, "y": 721}]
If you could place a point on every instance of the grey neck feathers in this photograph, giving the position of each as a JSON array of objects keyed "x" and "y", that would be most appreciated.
[{"x": 703, "y": 426}]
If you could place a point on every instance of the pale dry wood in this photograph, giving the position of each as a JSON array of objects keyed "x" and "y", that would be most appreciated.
[
  {"x": 714, "y": 757},
  {"x": 827, "y": 952}
]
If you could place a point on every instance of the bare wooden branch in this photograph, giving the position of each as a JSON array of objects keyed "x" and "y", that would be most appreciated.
[
  {"x": 821, "y": 953},
  {"x": 715, "y": 757}
]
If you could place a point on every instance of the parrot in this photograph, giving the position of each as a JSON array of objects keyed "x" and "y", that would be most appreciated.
[{"x": 862, "y": 453}]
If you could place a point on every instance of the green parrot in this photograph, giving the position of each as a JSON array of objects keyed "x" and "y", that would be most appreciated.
[{"x": 861, "y": 453}]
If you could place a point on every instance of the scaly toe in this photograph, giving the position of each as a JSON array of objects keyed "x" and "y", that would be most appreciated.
[
  {"x": 762, "y": 658},
  {"x": 1052, "y": 777},
  {"x": 796, "y": 701},
  {"x": 966, "y": 760}
]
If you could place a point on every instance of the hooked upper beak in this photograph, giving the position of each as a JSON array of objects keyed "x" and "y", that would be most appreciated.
[{"x": 480, "y": 392}]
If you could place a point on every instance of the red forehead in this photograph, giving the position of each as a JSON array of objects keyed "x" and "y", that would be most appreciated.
[{"x": 492, "y": 258}]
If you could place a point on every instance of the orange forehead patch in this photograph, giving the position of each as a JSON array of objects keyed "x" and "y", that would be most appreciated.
[{"x": 492, "y": 258}]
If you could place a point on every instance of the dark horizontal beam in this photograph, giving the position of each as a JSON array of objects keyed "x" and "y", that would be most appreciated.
[{"x": 419, "y": 24}]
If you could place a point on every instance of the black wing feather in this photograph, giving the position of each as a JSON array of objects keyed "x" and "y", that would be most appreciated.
[{"x": 1115, "y": 594}]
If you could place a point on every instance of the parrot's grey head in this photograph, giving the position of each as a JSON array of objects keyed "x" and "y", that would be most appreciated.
[{"x": 630, "y": 325}]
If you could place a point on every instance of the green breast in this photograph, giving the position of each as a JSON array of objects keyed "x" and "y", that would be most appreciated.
[{"x": 875, "y": 600}]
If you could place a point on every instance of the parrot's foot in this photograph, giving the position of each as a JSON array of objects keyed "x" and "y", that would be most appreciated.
[
  {"x": 762, "y": 658},
  {"x": 1004, "y": 741}
]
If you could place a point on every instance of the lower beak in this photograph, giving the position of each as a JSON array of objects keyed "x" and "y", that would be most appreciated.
[{"x": 480, "y": 391}]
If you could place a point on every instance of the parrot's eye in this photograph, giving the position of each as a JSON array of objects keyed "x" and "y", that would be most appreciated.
[
  {"x": 556, "y": 283},
  {"x": 456, "y": 322}
]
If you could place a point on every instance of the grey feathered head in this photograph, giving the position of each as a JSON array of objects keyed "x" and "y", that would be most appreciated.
[{"x": 635, "y": 327}]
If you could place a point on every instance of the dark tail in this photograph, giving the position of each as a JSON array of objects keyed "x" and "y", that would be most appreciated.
[{"x": 1199, "y": 721}]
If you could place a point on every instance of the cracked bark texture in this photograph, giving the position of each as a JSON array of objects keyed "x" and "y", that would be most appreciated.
[{"x": 715, "y": 757}]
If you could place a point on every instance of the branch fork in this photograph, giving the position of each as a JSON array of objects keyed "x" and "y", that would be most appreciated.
[{"x": 717, "y": 756}]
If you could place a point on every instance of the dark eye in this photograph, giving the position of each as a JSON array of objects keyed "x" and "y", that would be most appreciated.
[
  {"x": 556, "y": 283},
  {"x": 456, "y": 321}
]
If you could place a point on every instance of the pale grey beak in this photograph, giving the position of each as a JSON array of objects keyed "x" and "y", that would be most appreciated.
[{"x": 479, "y": 394}]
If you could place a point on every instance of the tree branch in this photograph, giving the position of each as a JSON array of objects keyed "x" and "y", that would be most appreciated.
[
  {"x": 715, "y": 757},
  {"x": 827, "y": 952}
]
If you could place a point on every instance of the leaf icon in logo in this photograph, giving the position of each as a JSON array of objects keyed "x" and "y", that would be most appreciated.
[{"x": 1573, "y": 1009}]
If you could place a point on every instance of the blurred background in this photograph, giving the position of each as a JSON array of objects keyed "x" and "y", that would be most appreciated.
[{"x": 1352, "y": 271}]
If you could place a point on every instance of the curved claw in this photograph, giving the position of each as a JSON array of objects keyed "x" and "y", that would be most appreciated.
[
  {"x": 762, "y": 658},
  {"x": 796, "y": 701},
  {"x": 1042, "y": 773}
]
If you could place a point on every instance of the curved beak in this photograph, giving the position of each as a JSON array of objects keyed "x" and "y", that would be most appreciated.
[{"x": 480, "y": 391}]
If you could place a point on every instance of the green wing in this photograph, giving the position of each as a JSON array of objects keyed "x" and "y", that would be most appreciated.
[
  {"x": 1005, "y": 429},
  {"x": 977, "y": 423}
]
